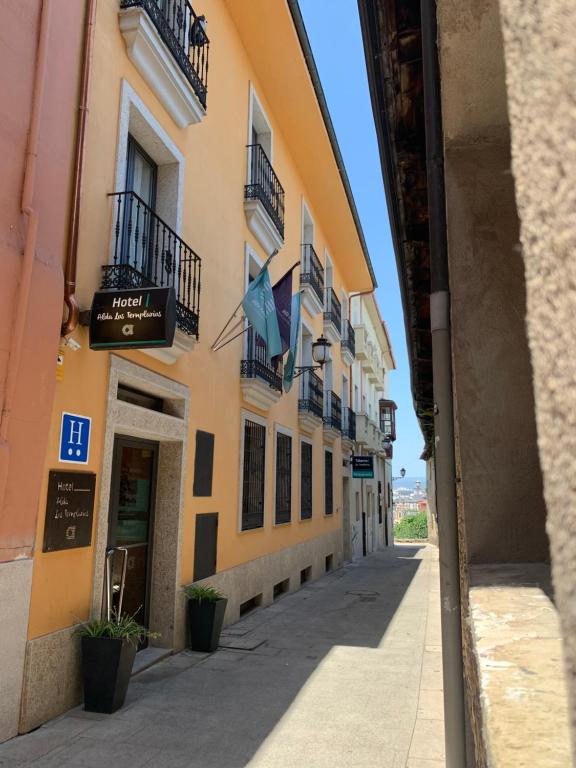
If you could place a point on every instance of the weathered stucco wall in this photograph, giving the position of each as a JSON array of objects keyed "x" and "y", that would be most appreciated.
[
  {"x": 501, "y": 486},
  {"x": 500, "y": 475},
  {"x": 540, "y": 73}
]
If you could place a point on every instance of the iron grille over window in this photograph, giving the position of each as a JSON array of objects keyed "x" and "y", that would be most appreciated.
[
  {"x": 312, "y": 272},
  {"x": 328, "y": 490},
  {"x": 311, "y": 394},
  {"x": 147, "y": 253},
  {"x": 305, "y": 481},
  {"x": 184, "y": 34},
  {"x": 332, "y": 309},
  {"x": 264, "y": 186},
  {"x": 256, "y": 366},
  {"x": 349, "y": 338},
  {"x": 253, "y": 475},
  {"x": 333, "y": 411},
  {"x": 283, "y": 478}
]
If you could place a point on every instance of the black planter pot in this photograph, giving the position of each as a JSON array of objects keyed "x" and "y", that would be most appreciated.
[
  {"x": 205, "y": 621},
  {"x": 106, "y": 668}
]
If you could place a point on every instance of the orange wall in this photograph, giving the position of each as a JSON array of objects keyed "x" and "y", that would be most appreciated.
[{"x": 214, "y": 226}]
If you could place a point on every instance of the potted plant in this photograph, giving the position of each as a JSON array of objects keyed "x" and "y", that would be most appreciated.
[
  {"x": 206, "y": 607},
  {"x": 108, "y": 650}
]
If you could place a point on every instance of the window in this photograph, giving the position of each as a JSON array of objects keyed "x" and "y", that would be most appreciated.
[
  {"x": 305, "y": 481},
  {"x": 253, "y": 475},
  {"x": 328, "y": 484},
  {"x": 283, "y": 478}
]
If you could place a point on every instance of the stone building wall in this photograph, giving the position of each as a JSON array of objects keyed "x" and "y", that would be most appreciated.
[{"x": 540, "y": 59}]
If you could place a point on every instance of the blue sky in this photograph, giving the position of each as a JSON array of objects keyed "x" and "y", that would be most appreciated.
[{"x": 334, "y": 30}]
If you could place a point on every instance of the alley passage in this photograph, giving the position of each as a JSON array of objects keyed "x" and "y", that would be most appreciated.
[{"x": 346, "y": 672}]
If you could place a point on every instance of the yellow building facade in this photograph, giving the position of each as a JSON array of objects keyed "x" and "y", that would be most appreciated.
[{"x": 198, "y": 458}]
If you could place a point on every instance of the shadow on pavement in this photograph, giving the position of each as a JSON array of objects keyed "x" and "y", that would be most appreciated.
[{"x": 216, "y": 711}]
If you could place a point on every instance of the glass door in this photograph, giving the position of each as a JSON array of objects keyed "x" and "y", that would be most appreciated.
[
  {"x": 139, "y": 206},
  {"x": 131, "y": 524}
]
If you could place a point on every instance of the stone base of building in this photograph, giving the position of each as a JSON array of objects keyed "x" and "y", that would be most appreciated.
[
  {"x": 52, "y": 669},
  {"x": 15, "y": 585}
]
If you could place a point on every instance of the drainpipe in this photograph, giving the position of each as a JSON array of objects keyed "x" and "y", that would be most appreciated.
[
  {"x": 455, "y": 733},
  {"x": 23, "y": 296},
  {"x": 69, "y": 325}
]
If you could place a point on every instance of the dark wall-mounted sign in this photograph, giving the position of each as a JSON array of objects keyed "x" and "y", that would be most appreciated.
[
  {"x": 69, "y": 510},
  {"x": 133, "y": 319},
  {"x": 363, "y": 466},
  {"x": 203, "y": 464}
]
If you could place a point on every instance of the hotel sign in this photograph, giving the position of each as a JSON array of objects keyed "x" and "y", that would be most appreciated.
[
  {"x": 363, "y": 467},
  {"x": 69, "y": 510},
  {"x": 133, "y": 319}
]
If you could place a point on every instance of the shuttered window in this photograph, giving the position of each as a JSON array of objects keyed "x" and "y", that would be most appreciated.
[
  {"x": 253, "y": 475},
  {"x": 305, "y": 481},
  {"x": 328, "y": 484},
  {"x": 283, "y": 478}
]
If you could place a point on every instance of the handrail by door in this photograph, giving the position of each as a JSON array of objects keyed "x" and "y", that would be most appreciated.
[{"x": 111, "y": 588}]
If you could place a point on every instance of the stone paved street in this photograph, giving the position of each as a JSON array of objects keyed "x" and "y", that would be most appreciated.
[{"x": 345, "y": 672}]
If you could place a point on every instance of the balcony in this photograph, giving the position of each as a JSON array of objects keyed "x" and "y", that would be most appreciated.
[
  {"x": 332, "y": 316},
  {"x": 348, "y": 344},
  {"x": 310, "y": 403},
  {"x": 311, "y": 280},
  {"x": 363, "y": 430},
  {"x": 168, "y": 45},
  {"x": 348, "y": 429},
  {"x": 264, "y": 201},
  {"x": 332, "y": 416},
  {"x": 361, "y": 342},
  {"x": 260, "y": 381},
  {"x": 146, "y": 252}
]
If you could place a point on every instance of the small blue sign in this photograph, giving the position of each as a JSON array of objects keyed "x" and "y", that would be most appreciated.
[{"x": 74, "y": 438}]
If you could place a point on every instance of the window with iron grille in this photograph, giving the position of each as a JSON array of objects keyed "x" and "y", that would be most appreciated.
[
  {"x": 305, "y": 481},
  {"x": 283, "y": 478},
  {"x": 253, "y": 475},
  {"x": 328, "y": 493}
]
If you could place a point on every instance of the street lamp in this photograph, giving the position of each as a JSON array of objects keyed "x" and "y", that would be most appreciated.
[
  {"x": 320, "y": 355},
  {"x": 400, "y": 476}
]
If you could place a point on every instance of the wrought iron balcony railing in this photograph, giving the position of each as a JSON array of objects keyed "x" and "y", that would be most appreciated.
[
  {"x": 256, "y": 366},
  {"x": 332, "y": 411},
  {"x": 349, "y": 423},
  {"x": 184, "y": 34},
  {"x": 311, "y": 394},
  {"x": 349, "y": 338},
  {"x": 264, "y": 186},
  {"x": 148, "y": 253},
  {"x": 332, "y": 309},
  {"x": 312, "y": 271}
]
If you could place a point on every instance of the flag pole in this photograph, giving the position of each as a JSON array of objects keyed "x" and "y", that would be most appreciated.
[
  {"x": 224, "y": 343},
  {"x": 233, "y": 315}
]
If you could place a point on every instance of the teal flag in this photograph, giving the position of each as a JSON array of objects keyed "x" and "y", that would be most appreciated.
[
  {"x": 260, "y": 309},
  {"x": 294, "y": 336}
]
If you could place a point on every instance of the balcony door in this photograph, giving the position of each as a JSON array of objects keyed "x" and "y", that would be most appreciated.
[{"x": 140, "y": 203}]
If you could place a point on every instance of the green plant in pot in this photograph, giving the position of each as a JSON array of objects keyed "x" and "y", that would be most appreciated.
[
  {"x": 108, "y": 650},
  {"x": 206, "y": 608}
]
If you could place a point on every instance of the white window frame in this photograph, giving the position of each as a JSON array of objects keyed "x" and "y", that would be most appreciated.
[
  {"x": 136, "y": 118},
  {"x": 254, "y": 102},
  {"x": 281, "y": 429},
  {"x": 255, "y": 417}
]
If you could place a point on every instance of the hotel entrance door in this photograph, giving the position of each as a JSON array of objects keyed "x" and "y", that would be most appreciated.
[{"x": 131, "y": 523}]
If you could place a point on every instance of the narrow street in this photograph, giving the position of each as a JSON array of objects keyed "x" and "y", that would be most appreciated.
[{"x": 344, "y": 672}]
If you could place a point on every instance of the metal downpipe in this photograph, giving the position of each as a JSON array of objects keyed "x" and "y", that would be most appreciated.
[{"x": 445, "y": 463}]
